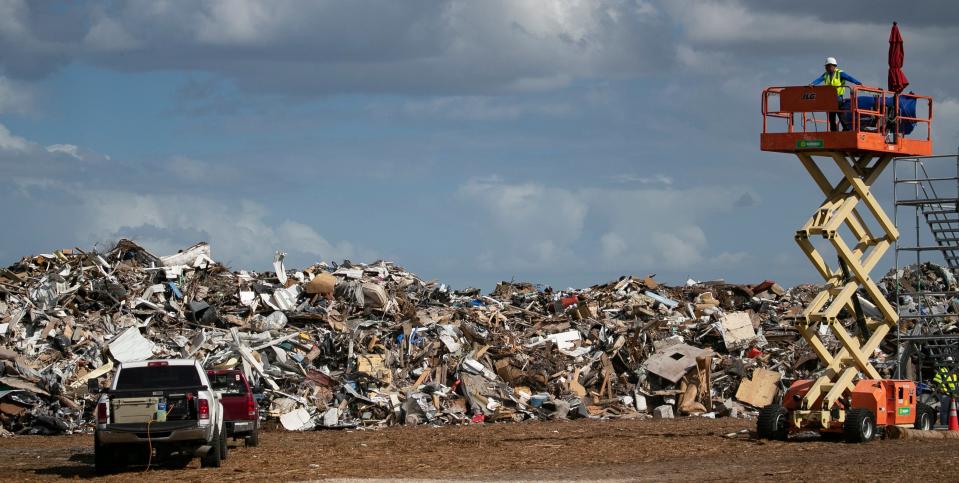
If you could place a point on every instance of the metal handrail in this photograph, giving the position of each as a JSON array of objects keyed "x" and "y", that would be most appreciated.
[{"x": 880, "y": 112}]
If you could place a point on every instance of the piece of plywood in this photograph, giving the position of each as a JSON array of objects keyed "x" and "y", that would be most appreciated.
[
  {"x": 761, "y": 389},
  {"x": 672, "y": 363},
  {"x": 737, "y": 329},
  {"x": 375, "y": 366}
]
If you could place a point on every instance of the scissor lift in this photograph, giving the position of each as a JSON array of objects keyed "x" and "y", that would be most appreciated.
[{"x": 849, "y": 396}]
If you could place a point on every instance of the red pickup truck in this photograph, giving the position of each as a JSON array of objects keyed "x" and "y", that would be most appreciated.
[{"x": 240, "y": 411}]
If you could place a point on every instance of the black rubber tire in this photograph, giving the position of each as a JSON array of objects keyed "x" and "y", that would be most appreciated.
[
  {"x": 164, "y": 452},
  {"x": 925, "y": 417},
  {"x": 224, "y": 450},
  {"x": 253, "y": 439},
  {"x": 831, "y": 436},
  {"x": 212, "y": 457},
  {"x": 103, "y": 458},
  {"x": 772, "y": 423},
  {"x": 860, "y": 425}
]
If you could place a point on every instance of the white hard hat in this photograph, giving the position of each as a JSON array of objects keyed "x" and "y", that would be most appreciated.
[
  {"x": 831, "y": 61},
  {"x": 949, "y": 359}
]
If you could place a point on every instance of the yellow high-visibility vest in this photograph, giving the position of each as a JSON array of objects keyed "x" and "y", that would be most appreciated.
[
  {"x": 945, "y": 381},
  {"x": 834, "y": 80}
]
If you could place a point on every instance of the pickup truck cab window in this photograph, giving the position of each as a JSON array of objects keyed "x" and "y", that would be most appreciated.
[{"x": 163, "y": 376}]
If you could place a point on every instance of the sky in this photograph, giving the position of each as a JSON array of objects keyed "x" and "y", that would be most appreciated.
[{"x": 562, "y": 142}]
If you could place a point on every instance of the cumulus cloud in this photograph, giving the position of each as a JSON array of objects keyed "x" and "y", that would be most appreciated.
[
  {"x": 108, "y": 35},
  {"x": 69, "y": 149},
  {"x": 21, "y": 158},
  {"x": 641, "y": 179},
  {"x": 946, "y": 123},
  {"x": 536, "y": 224},
  {"x": 15, "y": 97},
  {"x": 481, "y": 108},
  {"x": 12, "y": 143},
  {"x": 243, "y": 232},
  {"x": 48, "y": 183},
  {"x": 188, "y": 169},
  {"x": 533, "y": 225},
  {"x": 420, "y": 46}
]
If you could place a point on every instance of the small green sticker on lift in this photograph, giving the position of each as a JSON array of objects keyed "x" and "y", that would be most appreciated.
[
  {"x": 904, "y": 411},
  {"x": 809, "y": 143}
]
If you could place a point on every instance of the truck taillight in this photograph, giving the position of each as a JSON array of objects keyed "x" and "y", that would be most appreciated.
[
  {"x": 102, "y": 413},
  {"x": 157, "y": 363},
  {"x": 250, "y": 405},
  {"x": 204, "y": 409}
]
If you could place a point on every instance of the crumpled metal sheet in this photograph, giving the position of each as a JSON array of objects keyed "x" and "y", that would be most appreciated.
[{"x": 131, "y": 346}]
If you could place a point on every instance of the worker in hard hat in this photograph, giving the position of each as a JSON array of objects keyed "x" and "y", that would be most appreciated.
[
  {"x": 945, "y": 381},
  {"x": 835, "y": 77}
]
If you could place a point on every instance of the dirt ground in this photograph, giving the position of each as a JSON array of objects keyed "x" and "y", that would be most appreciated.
[{"x": 689, "y": 449}]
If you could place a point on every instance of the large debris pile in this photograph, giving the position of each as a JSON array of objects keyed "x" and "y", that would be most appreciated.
[{"x": 374, "y": 345}]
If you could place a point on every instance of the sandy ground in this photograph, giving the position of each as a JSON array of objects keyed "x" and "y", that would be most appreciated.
[{"x": 689, "y": 449}]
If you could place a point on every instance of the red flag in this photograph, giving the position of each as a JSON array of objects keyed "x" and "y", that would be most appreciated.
[{"x": 897, "y": 80}]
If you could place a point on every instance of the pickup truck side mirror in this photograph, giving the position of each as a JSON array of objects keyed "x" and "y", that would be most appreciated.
[{"x": 93, "y": 386}]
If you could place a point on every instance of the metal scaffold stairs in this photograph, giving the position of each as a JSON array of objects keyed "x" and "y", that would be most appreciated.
[
  {"x": 855, "y": 261},
  {"x": 929, "y": 202},
  {"x": 938, "y": 209}
]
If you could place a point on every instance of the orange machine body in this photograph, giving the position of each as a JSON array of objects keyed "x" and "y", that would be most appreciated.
[{"x": 892, "y": 401}]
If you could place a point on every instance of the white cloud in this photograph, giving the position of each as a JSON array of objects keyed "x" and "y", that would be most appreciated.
[
  {"x": 660, "y": 179},
  {"x": 734, "y": 22},
  {"x": 11, "y": 142},
  {"x": 107, "y": 34},
  {"x": 188, "y": 169},
  {"x": 12, "y": 17},
  {"x": 534, "y": 226},
  {"x": 241, "y": 232},
  {"x": 233, "y": 22},
  {"x": 537, "y": 224},
  {"x": 945, "y": 125},
  {"x": 481, "y": 108},
  {"x": 727, "y": 259},
  {"x": 68, "y": 149},
  {"x": 15, "y": 97},
  {"x": 439, "y": 47}
]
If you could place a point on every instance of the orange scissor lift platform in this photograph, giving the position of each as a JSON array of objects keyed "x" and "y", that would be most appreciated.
[
  {"x": 877, "y": 130},
  {"x": 849, "y": 395}
]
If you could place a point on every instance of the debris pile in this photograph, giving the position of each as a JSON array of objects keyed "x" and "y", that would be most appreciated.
[
  {"x": 924, "y": 290},
  {"x": 370, "y": 345}
]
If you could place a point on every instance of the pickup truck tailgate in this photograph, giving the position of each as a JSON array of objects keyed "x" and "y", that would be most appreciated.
[{"x": 134, "y": 409}]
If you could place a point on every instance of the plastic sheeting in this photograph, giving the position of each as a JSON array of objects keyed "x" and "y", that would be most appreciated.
[{"x": 907, "y": 108}]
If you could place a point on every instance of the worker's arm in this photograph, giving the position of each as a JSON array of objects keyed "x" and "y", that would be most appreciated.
[
  {"x": 816, "y": 82},
  {"x": 848, "y": 78}
]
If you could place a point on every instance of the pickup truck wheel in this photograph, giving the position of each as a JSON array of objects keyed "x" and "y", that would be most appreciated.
[
  {"x": 253, "y": 439},
  {"x": 103, "y": 458},
  {"x": 212, "y": 457}
]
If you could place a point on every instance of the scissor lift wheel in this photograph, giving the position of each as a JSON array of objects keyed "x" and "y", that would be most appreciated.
[
  {"x": 860, "y": 425},
  {"x": 772, "y": 423}
]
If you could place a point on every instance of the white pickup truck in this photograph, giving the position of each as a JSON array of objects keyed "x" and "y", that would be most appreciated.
[{"x": 166, "y": 406}]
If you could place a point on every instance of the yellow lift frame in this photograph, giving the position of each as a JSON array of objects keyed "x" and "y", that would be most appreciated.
[{"x": 842, "y": 206}]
